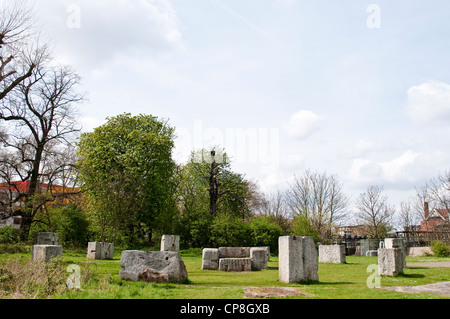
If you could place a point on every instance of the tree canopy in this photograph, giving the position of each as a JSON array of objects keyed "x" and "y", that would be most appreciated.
[{"x": 127, "y": 172}]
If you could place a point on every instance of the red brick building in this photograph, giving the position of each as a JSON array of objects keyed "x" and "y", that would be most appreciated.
[{"x": 435, "y": 219}]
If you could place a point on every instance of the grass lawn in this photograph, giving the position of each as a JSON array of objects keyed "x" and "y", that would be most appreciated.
[{"x": 100, "y": 280}]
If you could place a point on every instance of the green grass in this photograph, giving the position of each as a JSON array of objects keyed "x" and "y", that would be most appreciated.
[{"x": 100, "y": 280}]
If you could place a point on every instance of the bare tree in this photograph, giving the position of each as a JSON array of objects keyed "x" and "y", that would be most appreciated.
[
  {"x": 20, "y": 50},
  {"x": 374, "y": 212},
  {"x": 41, "y": 116},
  {"x": 408, "y": 217},
  {"x": 439, "y": 190},
  {"x": 320, "y": 198},
  {"x": 214, "y": 193},
  {"x": 274, "y": 204}
]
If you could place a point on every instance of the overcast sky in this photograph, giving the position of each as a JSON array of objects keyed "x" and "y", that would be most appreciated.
[{"x": 360, "y": 89}]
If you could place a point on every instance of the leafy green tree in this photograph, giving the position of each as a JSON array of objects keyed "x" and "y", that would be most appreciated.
[
  {"x": 128, "y": 175},
  {"x": 231, "y": 231},
  {"x": 265, "y": 231},
  {"x": 72, "y": 226},
  {"x": 209, "y": 190},
  {"x": 304, "y": 226}
]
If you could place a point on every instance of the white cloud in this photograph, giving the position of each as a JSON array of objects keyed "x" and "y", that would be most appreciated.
[
  {"x": 302, "y": 124},
  {"x": 401, "y": 168},
  {"x": 112, "y": 27},
  {"x": 360, "y": 148},
  {"x": 402, "y": 171},
  {"x": 429, "y": 102}
]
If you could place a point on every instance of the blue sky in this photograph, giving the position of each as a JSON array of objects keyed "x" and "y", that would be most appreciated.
[{"x": 360, "y": 89}]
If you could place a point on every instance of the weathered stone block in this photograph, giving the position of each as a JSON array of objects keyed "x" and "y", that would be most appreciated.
[
  {"x": 235, "y": 264},
  {"x": 234, "y": 252},
  {"x": 170, "y": 243},
  {"x": 99, "y": 250},
  {"x": 419, "y": 251},
  {"x": 332, "y": 254},
  {"x": 267, "y": 248},
  {"x": 367, "y": 244},
  {"x": 47, "y": 239},
  {"x": 372, "y": 253},
  {"x": 152, "y": 266},
  {"x": 390, "y": 261},
  {"x": 46, "y": 252},
  {"x": 210, "y": 259},
  {"x": 258, "y": 256},
  {"x": 298, "y": 260},
  {"x": 396, "y": 243}
]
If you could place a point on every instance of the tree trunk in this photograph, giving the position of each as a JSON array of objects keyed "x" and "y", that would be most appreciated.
[{"x": 213, "y": 191}]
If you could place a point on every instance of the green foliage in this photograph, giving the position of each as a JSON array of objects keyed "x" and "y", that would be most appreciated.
[
  {"x": 302, "y": 226},
  {"x": 440, "y": 249},
  {"x": 196, "y": 225},
  {"x": 127, "y": 172},
  {"x": 73, "y": 226},
  {"x": 229, "y": 231},
  {"x": 264, "y": 231},
  {"x": 9, "y": 235}
]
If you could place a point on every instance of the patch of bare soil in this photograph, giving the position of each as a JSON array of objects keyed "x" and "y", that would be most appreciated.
[
  {"x": 440, "y": 288},
  {"x": 273, "y": 292}
]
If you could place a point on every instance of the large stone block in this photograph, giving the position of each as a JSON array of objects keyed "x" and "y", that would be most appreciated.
[
  {"x": 152, "y": 266},
  {"x": 390, "y": 261},
  {"x": 258, "y": 256},
  {"x": 235, "y": 264},
  {"x": 419, "y": 251},
  {"x": 397, "y": 243},
  {"x": 298, "y": 260},
  {"x": 332, "y": 254},
  {"x": 210, "y": 259},
  {"x": 170, "y": 243},
  {"x": 234, "y": 252},
  {"x": 367, "y": 244},
  {"x": 47, "y": 239},
  {"x": 46, "y": 252},
  {"x": 99, "y": 250}
]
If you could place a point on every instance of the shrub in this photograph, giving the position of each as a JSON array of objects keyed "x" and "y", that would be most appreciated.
[
  {"x": 302, "y": 226},
  {"x": 9, "y": 235},
  {"x": 265, "y": 232},
  {"x": 440, "y": 249},
  {"x": 230, "y": 231},
  {"x": 72, "y": 226}
]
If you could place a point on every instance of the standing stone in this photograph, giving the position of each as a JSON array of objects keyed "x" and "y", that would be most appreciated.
[
  {"x": 396, "y": 243},
  {"x": 235, "y": 264},
  {"x": 390, "y": 261},
  {"x": 332, "y": 254},
  {"x": 46, "y": 252},
  {"x": 47, "y": 239},
  {"x": 234, "y": 252},
  {"x": 152, "y": 266},
  {"x": 170, "y": 243},
  {"x": 210, "y": 259},
  {"x": 258, "y": 256},
  {"x": 366, "y": 245},
  {"x": 98, "y": 250},
  {"x": 298, "y": 260}
]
